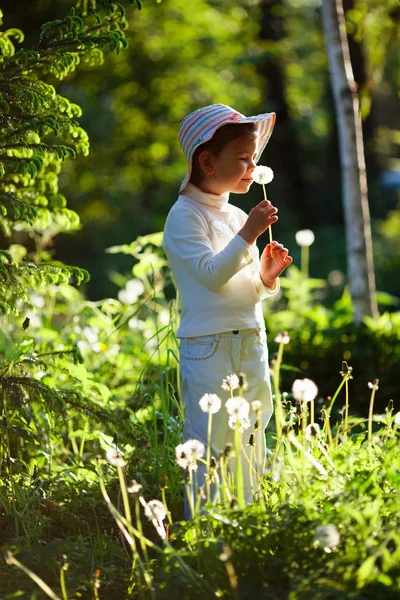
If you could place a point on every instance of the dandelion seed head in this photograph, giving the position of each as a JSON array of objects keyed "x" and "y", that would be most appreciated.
[
  {"x": 238, "y": 407},
  {"x": 155, "y": 511},
  {"x": 210, "y": 403},
  {"x": 230, "y": 383},
  {"x": 242, "y": 424},
  {"x": 134, "y": 487},
  {"x": 114, "y": 458},
  {"x": 373, "y": 385},
  {"x": 256, "y": 406},
  {"x": 304, "y": 390},
  {"x": 397, "y": 419},
  {"x": 186, "y": 454},
  {"x": 263, "y": 174},
  {"x": 327, "y": 537},
  {"x": 312, "y": 431},
  {"x": 282, "y": 338},
  {"x": 305, "y": 237}
]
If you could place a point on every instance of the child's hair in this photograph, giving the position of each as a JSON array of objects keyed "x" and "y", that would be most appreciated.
[{"x": 217, "y": 143}]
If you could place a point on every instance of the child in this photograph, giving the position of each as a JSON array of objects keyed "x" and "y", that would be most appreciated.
[{"x": 212, "y": 251}]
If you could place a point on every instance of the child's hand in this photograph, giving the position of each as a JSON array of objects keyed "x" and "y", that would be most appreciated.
[
  {"x": 259, "y": 219},
  {"x": 274, "y": 260}
]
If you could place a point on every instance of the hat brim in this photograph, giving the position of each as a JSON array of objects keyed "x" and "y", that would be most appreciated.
[{"x": 267, "y": 122}]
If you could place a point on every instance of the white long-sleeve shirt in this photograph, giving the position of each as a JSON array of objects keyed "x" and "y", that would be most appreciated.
[{"x": 217, "y": 272}]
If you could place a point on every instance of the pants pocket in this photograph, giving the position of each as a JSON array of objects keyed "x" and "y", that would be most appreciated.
[{"x": 199, "y": 348}]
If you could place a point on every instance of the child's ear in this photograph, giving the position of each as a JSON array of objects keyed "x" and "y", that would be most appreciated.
[{"x": 206, "y": 163}]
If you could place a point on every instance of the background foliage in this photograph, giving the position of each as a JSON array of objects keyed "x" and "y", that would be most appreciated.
[{"x": 85, "y": 371}]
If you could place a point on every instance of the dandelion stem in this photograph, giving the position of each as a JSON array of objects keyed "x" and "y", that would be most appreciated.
[
  {"x": 249, "y": 462},
  {"x": 224, "y": 479},
  {"x": 270, "y": 227},
  {"x": 164, "y": 501},
  {"x": 370, "y": 412},
  {"x": 11, "y": 560},
  {"x": 209, "y": 429},
  {"x": 239, "y": 472},
  {"x": 305, "y": 255},
  {"x": 278, "y": 404},
  {"x": 327, "y": 425},
  {"x": 304, "y": 452},
  {"x": 62, "y": 581},
  {"x": 346, "y": 410}
]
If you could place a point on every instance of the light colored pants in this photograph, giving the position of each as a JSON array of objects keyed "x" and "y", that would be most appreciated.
[{"x": 205, "y": 361}]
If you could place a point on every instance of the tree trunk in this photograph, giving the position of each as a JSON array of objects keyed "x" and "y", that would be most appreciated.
[{"x": 354, "y": 178}]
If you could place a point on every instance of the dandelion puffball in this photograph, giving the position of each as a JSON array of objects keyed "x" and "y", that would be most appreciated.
[
  {"x": 231, "y": 382},
  {"x": 210, "y": 403},
  {"x": 327, "y": 536},
  {"x": 305, "y": 237},
  {"x": 155, "y": 510},
  {"x": 114, "y": 458},
  {"x": 262, "y": 174},
  {"x": 238, "y": 407},
  {"x": 186, "y": 454},
  {"x": 304, "y": 390}
]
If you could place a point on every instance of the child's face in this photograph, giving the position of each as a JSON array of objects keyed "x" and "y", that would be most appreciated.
[{"x": 234, "y": 166}]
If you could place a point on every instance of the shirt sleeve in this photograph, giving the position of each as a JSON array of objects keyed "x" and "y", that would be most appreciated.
[
  {"x": 263, "y": 290},
  {"x": 185, "y": 237}
]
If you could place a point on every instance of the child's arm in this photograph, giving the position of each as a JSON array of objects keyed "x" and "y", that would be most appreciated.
[
  {"x": 274, "y": 260},
  {"x": 187, "y": 243}
]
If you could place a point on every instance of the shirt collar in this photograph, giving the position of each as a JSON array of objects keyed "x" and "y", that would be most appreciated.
[{"x": 212, "y": 200}]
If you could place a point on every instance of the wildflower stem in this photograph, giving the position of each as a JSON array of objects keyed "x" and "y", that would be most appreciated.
[
  {"x": 126, "y": 529},
  {"x": 249, "y": 462},
  {"x": 341, "y": 384},
  {"x": 224, "y": 479},
  {"x": 140, "y": 530},
  {"x": 164, "y": 501},
  {"x": 305, "y": 256},
  {"x": 327, "y": 425},
  {"x": 209, "y": 429},
  {"x": 239, "y": 472},
  {"x": 11, "y": 560},
  {"x": 62, "y": 583},
  {"x": 326, "y": 454},
  {"x": 270, "y": 227},
  {"x": 124, "y": 492},
  {"x": 311, "y": 412},
  {"x": 370, "y": 412},
  {"x": 304, "y": 452},
  {"x": 251, "y": 467},
  {"x": 346, "y": 410},
  {"x": 278, "y": 405}
]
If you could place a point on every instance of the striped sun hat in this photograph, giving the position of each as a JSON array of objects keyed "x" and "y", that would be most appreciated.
[{"x": 199, "y": 127}]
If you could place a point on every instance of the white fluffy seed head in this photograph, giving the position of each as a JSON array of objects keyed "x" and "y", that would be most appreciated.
[
  {"x": 114, "y": 458},
  {"x": 210, "y": 403},
  {"x": 256, "y": 406},
  {"x": 262, "y": 174},
  {"x": 327, "y": 536},
  {"x": 230, "y": 383},
  {"x": 312, "y": 431},
  {"x": 134, "y": 487},
  {"x": 188, "y": 453},
  {"x": 304, "y": 390},
  {"x": 282, "y": 338},
  {"x": 155, "y": 510},
  {"x": 242, "y": 424},
  {"x": 305, "y": 237},
  {"x": 237, "y": 407}
]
